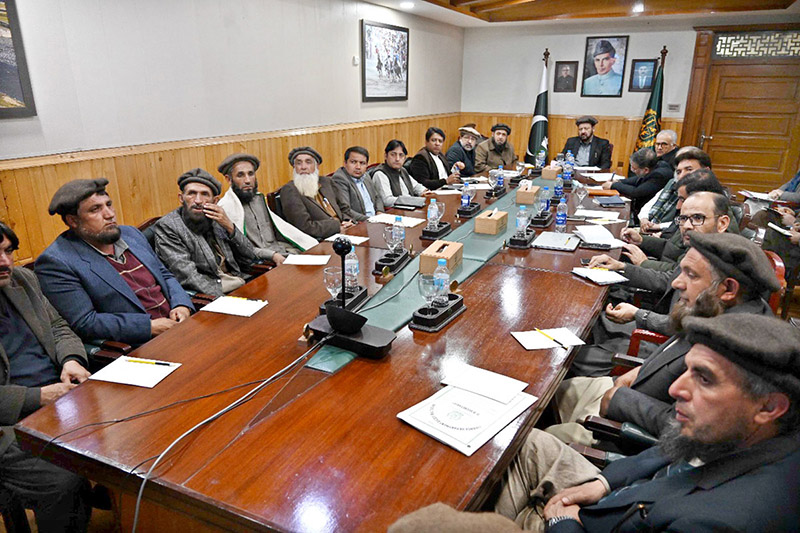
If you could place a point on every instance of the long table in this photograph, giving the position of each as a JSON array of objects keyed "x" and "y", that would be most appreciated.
[{"x": 314, "y": 451}]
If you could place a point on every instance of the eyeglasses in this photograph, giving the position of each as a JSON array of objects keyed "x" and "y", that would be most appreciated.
[
  {"x": 697, "y": 219},
  {"x": 662, "y": 144}
]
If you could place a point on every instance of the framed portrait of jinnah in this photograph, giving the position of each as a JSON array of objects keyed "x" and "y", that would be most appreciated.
[
  {"x": 384, "y": 62},
  {"x": 604, "y": 66},
  {"x": 16, "y": 97}
]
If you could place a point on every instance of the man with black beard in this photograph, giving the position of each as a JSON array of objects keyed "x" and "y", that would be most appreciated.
[
  {"x": 103, "y": 278},
  {"x": 463, "y": 150},
  {"x": 729, "y": 461},
  {"x": 496, "y": 151},
  {"x": 247, "y": 208},
  {"x": 199, "y": 243}
]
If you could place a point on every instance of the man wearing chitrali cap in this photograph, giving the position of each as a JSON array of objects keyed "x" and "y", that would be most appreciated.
[
  {"x": 463, "y": 150},
  {"x": 198, "y": 241},
  {"x": 606, "y": 82},
  {"x": 496, "y": 151},
  {"x": 104, "y": 278},
  {"x": 728, "y": 462},
  {"x": 309, "y": 200},
  {"x": 589, "y": 151},
  {"x": 247, "y": 209}
]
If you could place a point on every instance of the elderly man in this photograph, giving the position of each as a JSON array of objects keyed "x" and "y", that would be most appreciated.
[
  {"x": 463, "y": 150},
  {"x": 429, "y": 166},
  {"x": 589, "y": 151},
  {"x": 199, "y": 243},
  {"x": 667, "y": 146},
  {"x": 495, "y": 151},
  {"x": 565, "y": 82},
  {"x": 721, "y": 273},
  {"x": 103, "y": 278},
  {"x": 728, "y": 462},
  {"x": 606, "y": 82},
  {"x": 309, "y": 200},
  {"x": 41, "y": 360},
  {"x": 247, "y": 209},
  {"x": 649, "y": 177},
  {"x": 356, "y": 193}
]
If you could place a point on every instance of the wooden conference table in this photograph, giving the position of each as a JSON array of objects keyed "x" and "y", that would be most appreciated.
[{"x": 316, "y": 451}]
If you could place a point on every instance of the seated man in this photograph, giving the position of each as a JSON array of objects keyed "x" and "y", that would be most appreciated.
[
  {"x": 650, "y": 176},
  {"x": 429, "y": 167},
  {"x": 392, "y": 179},
  {"x": 355, "y": 192},
  {"x": 41, "y": 360},
  {"x": 589, "y": 151},
  {"x": 728, "y": 462},
  {"x": 247, "y": 209},
  {"x": 789, "y": 191},
  {"x": 667, "y": 147},
  {"x": 495, "y": 151},
  {"x": 463, "y": 150},
  {"x": 309, "y": 200},
  {"x": 199, "y": 243},
  {"x": 721, "y": 273},
  {"x": 105, "y": 279}
]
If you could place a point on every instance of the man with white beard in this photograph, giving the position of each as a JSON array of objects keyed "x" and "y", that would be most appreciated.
[{"x": 309, "y": 200}]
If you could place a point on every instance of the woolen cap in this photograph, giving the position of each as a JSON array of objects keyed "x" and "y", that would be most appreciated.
[
  {"x": 737, "y": 258},
  {"x": 470, "y": 130},
  {"x": 225, "y": 167},
  {"x": 604, "y": 47},
  {"x": 764, "y": 345},
  {"x": 198, "y": 175},
  {"x": 586, "y": 118},
  {"x": 305, "y": 150},
  {"x": 69, "y": 195},
  {"x": 501, "y": 126}
]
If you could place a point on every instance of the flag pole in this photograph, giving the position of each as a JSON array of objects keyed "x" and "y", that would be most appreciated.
[
  {"x": 547, "y": 55},
  {"x": 537, "y": 139}
]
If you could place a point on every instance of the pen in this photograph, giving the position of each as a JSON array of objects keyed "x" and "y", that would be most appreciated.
[
  {"x": 551, "y": 338},
  {"x": 142, "y": 361}
]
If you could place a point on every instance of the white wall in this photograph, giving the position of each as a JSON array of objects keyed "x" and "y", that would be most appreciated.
[
  {"x": 503, "y": 67},
  {"x": 111, "y": 73}
]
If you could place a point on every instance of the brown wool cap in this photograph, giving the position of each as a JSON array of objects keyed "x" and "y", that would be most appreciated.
[
  {"x": 198, "y": 175},
  {"x": 501, "y": 126},
  {"x": 305, "y": 150},
  {"x": 225, "y": 167},
  {"x": 69, "y": 195},
  {"x": 586, "y": 118}
]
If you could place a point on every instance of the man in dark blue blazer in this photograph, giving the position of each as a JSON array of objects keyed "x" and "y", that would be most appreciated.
[
  {"x": 589, "y": 150},
  {"x": 105, "y": 279}
]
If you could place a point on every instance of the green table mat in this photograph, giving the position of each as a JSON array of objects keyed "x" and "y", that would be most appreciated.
[{"x": 330, "y": 359}]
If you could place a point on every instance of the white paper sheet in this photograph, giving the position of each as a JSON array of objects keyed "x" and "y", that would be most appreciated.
[
  {"x": 482, "y": 186},
  {"x": 484, "y": 382},
  {"x": 597, "y": 235},
  {"x": 782, "y": 231},
  {"x": 597, "y": 213},
  {"x": 550, "y": 240},
  {"x": 587, "y": 169},
  {"x": 355, "y": 239},
  {"x": 235, "y": 305},
  {"x": 135, "y": 371},
  {"x": 600, "y": 276},
  {"x": 764, "y": 197},
  {"x": 385, "y": 218},
  {"x": 535, "y": 340},
  {"x": 602, "y": 177},
  {"x": 307, "y": 259},
  {"x": 447, "y": 192}
]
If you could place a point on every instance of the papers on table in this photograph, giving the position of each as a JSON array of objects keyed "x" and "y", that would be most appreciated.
[
  {"x": 475, "y": 179},
  {"x": 782, "y": 231},
  {"x": 600, "y": 276},
  {"x": 596, "y": 213},
  {"x": 547, "y": 338},
  {"x": 355, "y": 239},
  {"x": 664, "y": 225},
  {"x": 587, "y": 169},
  {"x": 764, "y": 197},
  {"x": 235, "y": 305},
  {"x": 597, "y": 235},
  {"x": 307, "y": 259},
  {"x": 603, "y": 221},
  {"x": 550, "y": 240},
  {"x": 484, "y": 382},
  {"x": 447, "y": 192},
  {"x": 602, "y": 177},
  {"x": 385, "y": 218},
  {"x": 481, "y": 186},
  {"x": 135, "y": 371}
]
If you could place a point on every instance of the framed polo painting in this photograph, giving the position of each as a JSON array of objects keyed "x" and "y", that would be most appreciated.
[
  {"x": 384, "y": 62},
  {"x": 604, "y": 66},
  {"x": 16, "y": 97}
]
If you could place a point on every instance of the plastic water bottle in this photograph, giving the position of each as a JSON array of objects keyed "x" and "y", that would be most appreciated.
[
  {"x": 561, "y": 216},
  {"x": 399, "y": 233},
  {"x": 522, "y": 220},
  {"x": 441, "y": 280},
  {"x": 545, "y": 199},
  {"x": 570, "y": 157},
  {"x": 465, "y": 199},
  {"x": 351, "y": 269},
  {"x": 540, "y": 159},
  {"x": 558, "y": 191},
  {"x": 501, "y": 179},
  {"x": 433, "y": 214}
]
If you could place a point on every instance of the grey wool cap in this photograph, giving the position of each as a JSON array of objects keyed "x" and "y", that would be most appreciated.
[
  {"x": 737, "y": 258},
  {"x": 604, "y": 47},
  {"x": 586, "y": 118},
  {"x": 304, "y": 150},
  {"x": 198, "y": 175},
  {"x": 69, "y": 195},
  {"x": 764, "y": 345},
  {"x": 225, "y": 167}
]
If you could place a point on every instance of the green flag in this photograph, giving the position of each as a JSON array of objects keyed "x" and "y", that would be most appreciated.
[
  {"x": 537, "y": 139},
  {"x": 651, "y": 123}
]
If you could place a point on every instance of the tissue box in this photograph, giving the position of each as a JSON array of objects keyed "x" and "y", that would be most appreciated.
[
  {"x": 527, "y": 195},
  {"x": 550, "y": 173},
  {"x": 491, "y": 223},
  {"x": 452, "y": 251}
]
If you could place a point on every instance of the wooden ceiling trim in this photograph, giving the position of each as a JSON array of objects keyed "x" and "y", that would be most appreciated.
[{"x": 502, "y": 4}]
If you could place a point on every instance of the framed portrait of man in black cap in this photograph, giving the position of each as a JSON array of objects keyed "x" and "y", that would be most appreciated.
[{"x": 604, "y": 66}]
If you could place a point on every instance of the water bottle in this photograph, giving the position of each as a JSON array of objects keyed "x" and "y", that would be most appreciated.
[
  {"x": 433, "y": 214},
  {"x": 465, "y": 197},
  {"x": 351, "y": 269},
  {"x": 570, "y": 157},
  {"x": 399, "y": 233},
  {"x": 558, "y": 191},
  {"x": 561, "y": 216},
  {"x": 540, "y": 159},
  {"x": 522, "y": 220},
  {"x": 501, "y": 179},
  {"x": 441, "y": 280},
  {"x": 545, "y": 199}
]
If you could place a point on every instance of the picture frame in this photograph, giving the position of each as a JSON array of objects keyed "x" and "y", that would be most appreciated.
[
  {"x": 643, "y": 72},
  {"x": 384, "y": 62},
  {"x": 566, "y": 77},
  {"x": 16, "y": 96},
  {"x": 604, "y": 66}
]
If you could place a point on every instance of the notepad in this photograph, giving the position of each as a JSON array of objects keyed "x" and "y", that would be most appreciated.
[
  {"x": 600, "y": 276},
  {"x": 541, "y": 339},
  {"x": 611, "y": 201},
  {"x": 307, "y": 259},
  {"x": 135, "y": 371},
  {"x": 597, "y": 235},
  {"x": 235, "y": 305},
  {"x": 355, "y": 239},
  {"x": 550, "y": 240}
]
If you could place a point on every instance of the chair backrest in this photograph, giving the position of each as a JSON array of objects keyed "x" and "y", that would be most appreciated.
[
  {"x": 148, "y": 230},
  {"x": 274, "y": 202},
  {"x": 780, "y": 271},
  {"x": 407, "y": 164}
]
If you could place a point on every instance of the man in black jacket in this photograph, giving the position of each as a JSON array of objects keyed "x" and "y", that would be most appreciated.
[
  {"x": 650, "y": 176},
  {"x": 429, "y": 166},
  {"x": 463, "y": 150},
  {"x": 667, "y": 146},
  {"x": 588, "y": 149}
]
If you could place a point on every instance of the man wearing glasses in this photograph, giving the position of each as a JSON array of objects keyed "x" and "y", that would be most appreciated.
[{"x": 667, "y": 146}]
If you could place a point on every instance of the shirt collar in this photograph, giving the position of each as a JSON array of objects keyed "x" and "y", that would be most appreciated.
[{"x": 119, "y": 250}]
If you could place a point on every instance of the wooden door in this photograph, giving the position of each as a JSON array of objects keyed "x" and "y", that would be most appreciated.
[{"x": 751, "y": 123}]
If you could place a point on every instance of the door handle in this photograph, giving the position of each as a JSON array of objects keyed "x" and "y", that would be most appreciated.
[{"x": 703, "y": 138}]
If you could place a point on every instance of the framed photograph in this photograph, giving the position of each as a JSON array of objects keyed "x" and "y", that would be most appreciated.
[
  {"x": 604, "y": 66},
  {"x": 566, "y": 77},
  {"x": 16, "y": 97},
  {"x": 384, "y": 62},
  {"x": 642, "y": 73}
]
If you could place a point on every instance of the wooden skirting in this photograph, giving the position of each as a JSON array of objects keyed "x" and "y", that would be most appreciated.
[{"x": 143, "y": 178}]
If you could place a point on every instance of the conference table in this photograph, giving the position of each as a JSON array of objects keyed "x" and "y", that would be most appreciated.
[{"x": 312, "y": 450}]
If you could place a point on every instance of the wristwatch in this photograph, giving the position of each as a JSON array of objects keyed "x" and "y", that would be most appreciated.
[{"x": 556, "y": 519}]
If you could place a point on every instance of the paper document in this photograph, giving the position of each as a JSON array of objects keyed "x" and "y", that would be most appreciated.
[
  {"x": 355, "y": 239},
  {"x": 235, "y": 305},
  {"x": 447, "y": 192},
  {"x": 547, "y": 338},
  {"x": 307, "y": 259},
  {"x": 782, "y": 231},
  {"x": 587, "y": 169},
  {"x": 135, "y": 371},
  {"x": 602, "y": 177},
  {"x": 385, "y": 218},
  {"x": 597, "y": 235},
  {"x": 756, "y": 195},
  {"x": 596, "y": 213},
  {"x": 664, "y": 225},
  {"x": 484, "y": 382},
  {"x": 462, "y": 419},
  {"x": 550, "y": 240},
  {"x": 599, "y": 275},
  {"x": 481, "y": 186},
  {"x": 475, "y": 179}
]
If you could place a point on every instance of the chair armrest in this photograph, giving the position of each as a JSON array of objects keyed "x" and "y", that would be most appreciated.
[
  {"x": 639, "y": 295},
  {"x": 602, "y": 427},
  {"x": 598, "y": 458},
  {"x": 256, "y": 269},
  {"x": 636, "y": 434},
  {"x": 200, "y": 299},
  {"x": 640, "y": 335},
  {"x": 629, "y": 361}
]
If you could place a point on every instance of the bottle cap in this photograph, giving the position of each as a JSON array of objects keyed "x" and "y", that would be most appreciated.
[
  {"x": 523, "y": 208},
  {"x": 433, "y": 200},
  {"x": 398, "y": 218},
  {"x": 546, "y": 188},
  {"x": 442, "y": 262},
  {"x": 563, "y": 200}
]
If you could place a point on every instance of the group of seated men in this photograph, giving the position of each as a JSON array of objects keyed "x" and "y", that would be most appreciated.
[{"x": 724, "y": 355}]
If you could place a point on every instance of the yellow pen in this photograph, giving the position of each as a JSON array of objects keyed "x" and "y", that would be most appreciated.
[
  {"x": 142, "y": 361},
  {"x": 551, "y": 338}
]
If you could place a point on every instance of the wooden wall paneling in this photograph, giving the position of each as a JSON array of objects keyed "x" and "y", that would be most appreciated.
[{"x": 14, "y": 216}]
